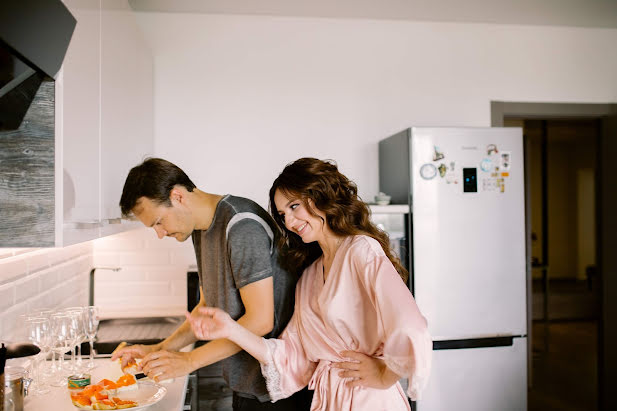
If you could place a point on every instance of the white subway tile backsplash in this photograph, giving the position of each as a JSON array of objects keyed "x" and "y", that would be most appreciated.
[
  {"x": 10, "y": 324},
  {"x": 41, "y": 278},
  {"x": 38, "y": 260},
  {"x": 152, "y": 280},
  {"x": 168, "y": 273},
  {"x": 7, "y": 297},
  {"x": 27, "y": 287},
  {"x": 130, "y": 289},
  {"x": 19, "y": 251},
  {"x": 178, "y": 288},
  {"x": 165, "y": 243},
  {"x": 7, "y": 252},
  {"x": 60, "y": 255},
  {"x": 12, "y": 268},
  {"x": 48, "y": 278},
  {"x": 184, "y": 256},
  {"x": 119, "y": 242},
  {"x": 146, "y": 257},
  {"x": 119, "y": 277}
]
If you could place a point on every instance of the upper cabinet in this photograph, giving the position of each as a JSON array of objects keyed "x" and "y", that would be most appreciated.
[
  {"x": 104, "y": 118},
  {"x": 127, "y": 101}
]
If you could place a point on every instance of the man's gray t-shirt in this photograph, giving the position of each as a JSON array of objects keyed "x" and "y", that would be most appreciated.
[{"x": 238, "y": 249}]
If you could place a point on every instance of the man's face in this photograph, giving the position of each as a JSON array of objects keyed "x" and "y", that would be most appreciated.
[{"x": 168, "y": 221}]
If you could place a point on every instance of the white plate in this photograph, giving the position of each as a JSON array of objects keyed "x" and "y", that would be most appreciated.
[{"x": 147, "y": 393}]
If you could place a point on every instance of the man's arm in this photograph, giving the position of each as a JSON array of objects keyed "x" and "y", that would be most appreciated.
[
  {"x": 179, "y": 339},
  {"x": 258, "y": 301}
]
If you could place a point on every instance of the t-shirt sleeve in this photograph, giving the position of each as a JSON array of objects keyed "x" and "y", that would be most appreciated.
[{"x": 249, "y": 247}]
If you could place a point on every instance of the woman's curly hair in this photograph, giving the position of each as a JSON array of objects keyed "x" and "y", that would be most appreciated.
[{"x": 337, "y": 197}]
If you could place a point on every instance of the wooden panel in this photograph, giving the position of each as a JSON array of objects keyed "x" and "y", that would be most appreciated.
[{"x": 27, "y": 176}]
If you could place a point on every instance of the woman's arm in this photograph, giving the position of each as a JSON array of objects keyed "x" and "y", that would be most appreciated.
[
  {"x": 210, "y": 323},
  {"x": 366, "y": 371}
]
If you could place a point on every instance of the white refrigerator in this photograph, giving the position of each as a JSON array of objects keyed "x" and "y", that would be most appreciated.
[{"x": 465, "y": 189}]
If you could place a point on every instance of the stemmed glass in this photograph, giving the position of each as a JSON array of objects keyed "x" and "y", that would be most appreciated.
[
  {"x": 39, "y": 333},
  {"x": 91, "y": 314},
  {"x": 77, "y": 315},
  {"x": 63, "y": 336},
  {"x": 47, "y": 313}
]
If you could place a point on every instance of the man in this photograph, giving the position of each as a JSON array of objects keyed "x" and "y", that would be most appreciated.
[{"x": 235, "y": 245}]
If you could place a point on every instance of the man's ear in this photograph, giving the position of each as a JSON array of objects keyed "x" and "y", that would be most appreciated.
[{"x": 176, "y": 195}]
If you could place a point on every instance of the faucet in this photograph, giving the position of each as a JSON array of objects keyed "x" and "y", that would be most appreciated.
[{"x": 91, "y": 295}]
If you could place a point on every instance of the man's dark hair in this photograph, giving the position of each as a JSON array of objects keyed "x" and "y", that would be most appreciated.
[{"x": 154, "y": 179}]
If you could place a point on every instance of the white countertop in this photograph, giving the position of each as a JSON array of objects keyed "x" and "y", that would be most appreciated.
[{"x": 58, "y": 398}]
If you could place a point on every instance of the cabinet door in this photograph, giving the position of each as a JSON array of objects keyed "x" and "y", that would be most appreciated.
[
  {"x": 78, "y": 99},
  {"x": 126, "y": 101},
  {"x": 80, "y": 116}
]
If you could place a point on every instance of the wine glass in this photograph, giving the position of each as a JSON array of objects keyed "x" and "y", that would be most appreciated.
[
  {"x": 62, "y": 337},
  {"x": 78, "y": 323},
  {"x": 39, "y": 333},
  {"x": 50, "y": 369},
  {"x": 91, "y": 327}
]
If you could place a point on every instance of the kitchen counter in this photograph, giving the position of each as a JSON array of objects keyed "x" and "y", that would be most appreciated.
[{"x": 58, "y": 398}]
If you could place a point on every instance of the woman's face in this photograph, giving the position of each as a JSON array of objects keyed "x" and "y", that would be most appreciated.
[{"x": 298, "y": 219}]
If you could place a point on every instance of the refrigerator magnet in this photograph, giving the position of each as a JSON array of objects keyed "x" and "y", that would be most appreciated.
[
  {"x": 501, "y": 184},
  {"x": 505, "y": 160},
  {"x": 438, "y": 154},
  {"x": 442, "y": 170},
  {"x": 491, "y": 148},
  {"x": 486, "y": 165},
  {"x": 489, "y": 184},
  {"x": 428, "y": 171}
]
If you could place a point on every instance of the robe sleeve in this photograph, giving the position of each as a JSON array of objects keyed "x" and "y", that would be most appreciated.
[
  {"x": 407, "y": 344},
  {"x": 288, "y": 369}
]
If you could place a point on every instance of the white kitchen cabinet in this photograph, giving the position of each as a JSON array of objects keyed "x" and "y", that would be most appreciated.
[
  {"x": 126, "y": 101},
  {"x": 104, "y": 118},
  {"x": 78, "y": 125}
]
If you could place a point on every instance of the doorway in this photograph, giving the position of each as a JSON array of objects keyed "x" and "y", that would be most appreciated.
[
  {"x": 570, "y": 151},
  {"x": 561, "y": 166}
]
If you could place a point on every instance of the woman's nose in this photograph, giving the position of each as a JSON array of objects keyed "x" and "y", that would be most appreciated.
[{"x": 288, "y": 220}]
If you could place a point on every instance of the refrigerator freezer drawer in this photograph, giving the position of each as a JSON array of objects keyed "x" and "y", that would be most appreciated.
[{"x": 478, "y": 379}]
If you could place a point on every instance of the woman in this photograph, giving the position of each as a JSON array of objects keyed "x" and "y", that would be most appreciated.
[{"x": 351, "y": 303}]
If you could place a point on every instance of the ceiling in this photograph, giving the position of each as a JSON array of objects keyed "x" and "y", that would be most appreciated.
[{"x": 577, "y": 13}]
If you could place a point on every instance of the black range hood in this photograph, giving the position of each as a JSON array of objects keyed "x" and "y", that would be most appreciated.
[{"x": 34, "y": 37}]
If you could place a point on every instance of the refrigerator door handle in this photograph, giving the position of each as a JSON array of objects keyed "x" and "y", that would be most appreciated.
[{"x": 501, "y": 341}]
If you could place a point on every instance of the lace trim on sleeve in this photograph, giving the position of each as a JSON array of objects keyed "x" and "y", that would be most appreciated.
[
  {"x": 403, "y": 367},
  {"x": 271, "y": 373}
]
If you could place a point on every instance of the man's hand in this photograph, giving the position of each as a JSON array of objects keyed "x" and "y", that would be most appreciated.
[
  {"x": 133, "y": 352},
  {"x": 365, "y": 371},
  {"x": 163, "y": 365}
]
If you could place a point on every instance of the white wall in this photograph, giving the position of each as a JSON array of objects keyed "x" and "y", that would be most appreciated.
[{"x": 237, "y": 97}]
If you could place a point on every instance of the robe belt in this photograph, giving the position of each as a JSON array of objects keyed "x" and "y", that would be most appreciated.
[{"x": 319, "y": 383}]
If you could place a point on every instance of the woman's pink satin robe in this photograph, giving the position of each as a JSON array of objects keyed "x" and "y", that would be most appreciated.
[{"x": 363, "y": 306}]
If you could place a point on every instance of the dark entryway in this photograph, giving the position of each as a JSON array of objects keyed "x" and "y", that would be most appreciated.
[{"x": 570, "y": 152}]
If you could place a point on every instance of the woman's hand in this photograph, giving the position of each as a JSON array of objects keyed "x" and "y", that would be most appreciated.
[
  {"x": 365, "y": 371},
  {"x": 210, "y": 323}
]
